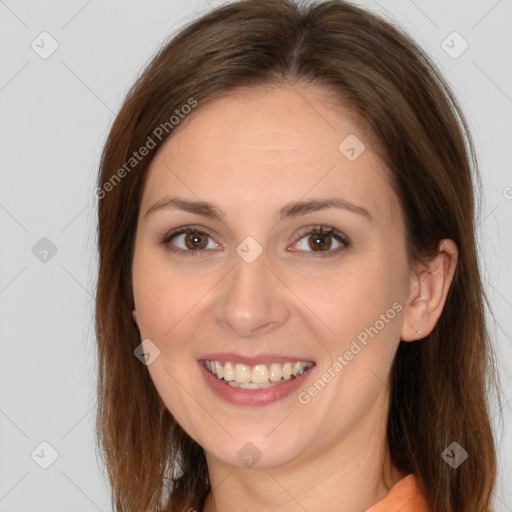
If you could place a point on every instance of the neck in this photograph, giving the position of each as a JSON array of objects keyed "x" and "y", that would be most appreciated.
[{"x": 351, "y": 474}]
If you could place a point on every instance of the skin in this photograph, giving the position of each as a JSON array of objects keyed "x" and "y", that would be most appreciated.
[{"x": 250, "y": 153}]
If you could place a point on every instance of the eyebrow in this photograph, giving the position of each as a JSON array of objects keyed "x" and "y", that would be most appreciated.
[{"x": 288, "y": 211}]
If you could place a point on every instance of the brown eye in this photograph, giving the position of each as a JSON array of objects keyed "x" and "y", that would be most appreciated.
[
  {"x": 188, "y": 240},
  {"x": 318, "y": 242},
  {"x": 196, "y": 240}
]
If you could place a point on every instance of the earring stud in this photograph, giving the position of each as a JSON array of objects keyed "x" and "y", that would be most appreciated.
[{"x": 418, "y": 331}]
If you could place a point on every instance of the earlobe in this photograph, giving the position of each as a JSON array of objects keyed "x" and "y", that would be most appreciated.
[
  {"x": 429, "y": 288},
  {"x": 134, "y": 316}
]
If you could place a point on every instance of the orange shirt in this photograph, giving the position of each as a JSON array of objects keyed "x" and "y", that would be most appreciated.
[{"x": 404, "y": 496}]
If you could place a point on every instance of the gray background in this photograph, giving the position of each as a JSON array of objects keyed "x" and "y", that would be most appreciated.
[{"x": 55, "y": 114}]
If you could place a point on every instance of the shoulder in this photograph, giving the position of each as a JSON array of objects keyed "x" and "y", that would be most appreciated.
[{"x": 405, "y": 495}]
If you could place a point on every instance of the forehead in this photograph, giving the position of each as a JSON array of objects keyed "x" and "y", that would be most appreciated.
[{"x": 256, "y": 149}]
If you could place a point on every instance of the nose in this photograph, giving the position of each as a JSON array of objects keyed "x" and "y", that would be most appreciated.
[{"x": 252, "y": 299}]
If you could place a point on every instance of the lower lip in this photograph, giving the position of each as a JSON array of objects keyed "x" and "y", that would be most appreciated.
[{"x": 240, "y": 396}]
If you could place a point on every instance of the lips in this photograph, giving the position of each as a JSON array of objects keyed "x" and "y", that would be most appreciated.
[{"x": 254, "y": 380}]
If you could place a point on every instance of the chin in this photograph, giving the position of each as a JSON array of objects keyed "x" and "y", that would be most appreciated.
[{"x": 256, "y": 450}]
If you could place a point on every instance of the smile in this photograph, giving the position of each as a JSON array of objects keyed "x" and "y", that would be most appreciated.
[{"x": 259, "y": 376}]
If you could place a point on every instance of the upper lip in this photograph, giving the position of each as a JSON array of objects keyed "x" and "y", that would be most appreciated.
[{"x": 254, "y": 360}]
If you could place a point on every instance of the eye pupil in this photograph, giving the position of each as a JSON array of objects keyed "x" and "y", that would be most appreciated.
[
  {"x": 193, "y": 239},
  {"x": 319, "y": 239}
]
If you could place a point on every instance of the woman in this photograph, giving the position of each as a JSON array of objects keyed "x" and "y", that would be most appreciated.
[{"x": 290, "y": 314}]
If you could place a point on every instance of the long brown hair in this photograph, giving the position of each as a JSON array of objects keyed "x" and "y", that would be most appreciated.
[{"x": 438, "y": 385}]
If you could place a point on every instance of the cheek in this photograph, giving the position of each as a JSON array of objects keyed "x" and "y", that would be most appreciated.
[
  {"x": 166, "y": 303},
  {"x": 172, "y": 304},
  {"x": 359, "y": 314},
  {"x": 161, "y": 297},
  {"x": 351, "y": 299}
]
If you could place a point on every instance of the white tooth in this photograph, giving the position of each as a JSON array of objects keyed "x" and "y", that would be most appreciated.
[
  {"x": 251, "y": 385},
  {"x": 214, "y": 368},
  {"x": 287, "y": 371},
  {"x": 242, "y": 373},
  {"x": 297, "y": 369},
  {"x": 218, "y": 369},
  {"x": 259, "y": 374},
  {"x": 208, "y": 365},
  {"x": 229, "y": 372},
  {"x": 275, "y": 372}
]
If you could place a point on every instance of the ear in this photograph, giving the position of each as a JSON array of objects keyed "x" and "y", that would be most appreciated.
[{"x": 428, "y": 289}]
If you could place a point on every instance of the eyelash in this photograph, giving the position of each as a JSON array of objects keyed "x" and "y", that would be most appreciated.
[{"x": 340, "y": 237}]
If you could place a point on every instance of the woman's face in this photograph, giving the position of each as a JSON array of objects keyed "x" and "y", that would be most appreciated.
[{"x": 257, "y": 290}]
